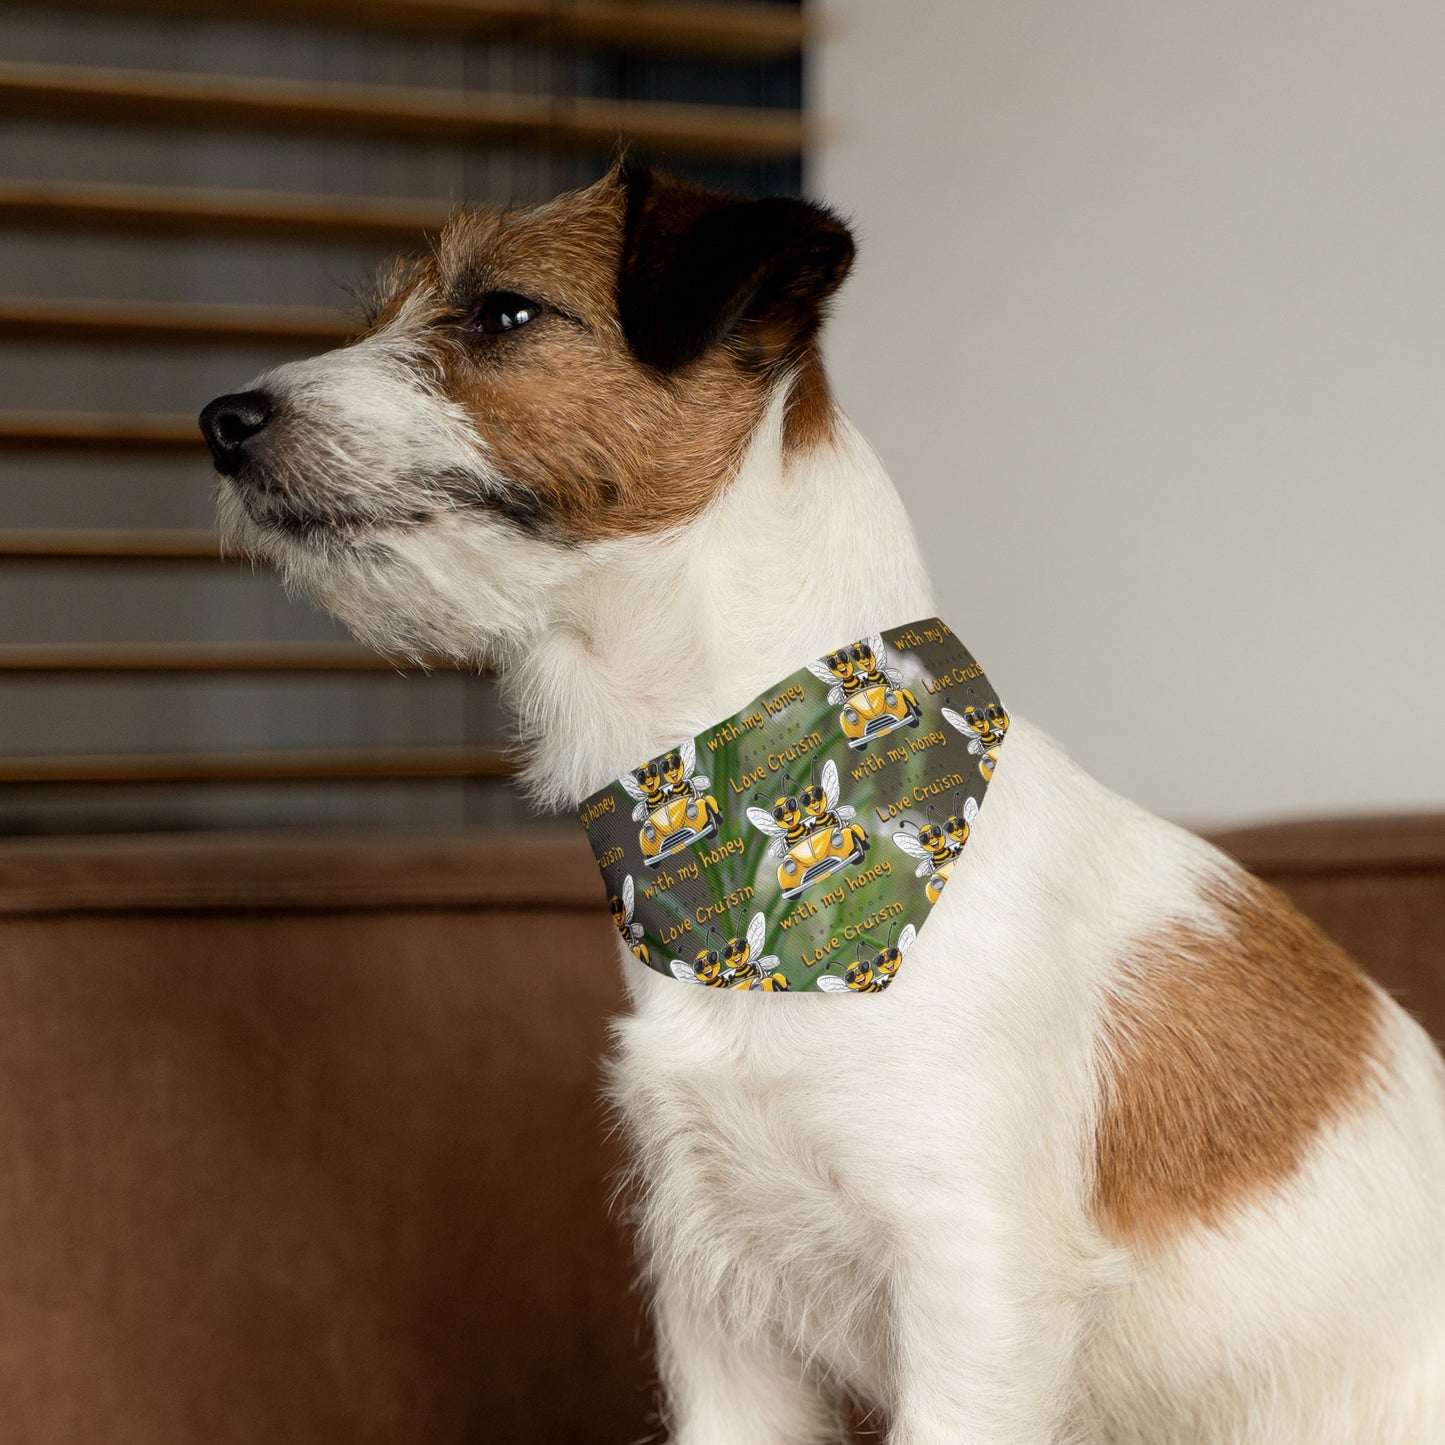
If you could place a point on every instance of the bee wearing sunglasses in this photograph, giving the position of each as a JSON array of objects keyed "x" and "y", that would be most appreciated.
[
  {"x": 838, "y": 670},
  {"x": 821, "y": 808},
  {"x": 865, "y": 654},
  {"x": 672, "y": 803},
  {"x": 747, "y": 966},
  {"x": 810, "y": 848},
  {"x": 622, "y": 905},
  {"x": 739, "y": 963},
  {"x": 984, "y": 727},
  {"x": 646, "y": 788},
  {"x": 850, "y": 669},
  {"x": 677, "y": 771},
  {"x": 786, "y": 824},
  {"x": 958, "y": 823},
  {"x": 931, "y": 846},
  {"x": 707, "y": 969},
  {"x": 871, "y": 975},
  {"x": 820, "y": 804},
  {"x": 872, "y": 697},
  {"x": 662, "y": 778}
]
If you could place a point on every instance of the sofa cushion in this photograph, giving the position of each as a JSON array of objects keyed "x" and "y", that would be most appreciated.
[{"x": 303, "y": 1142}]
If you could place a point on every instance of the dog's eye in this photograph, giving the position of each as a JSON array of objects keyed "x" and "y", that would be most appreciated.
[{"x": 504, "y": 311}]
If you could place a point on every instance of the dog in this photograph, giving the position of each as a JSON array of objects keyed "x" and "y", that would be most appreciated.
[{"x": 1129, "y": 1152}]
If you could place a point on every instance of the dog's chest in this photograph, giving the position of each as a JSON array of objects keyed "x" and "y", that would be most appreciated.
[{"x": 757, "y": 1172}]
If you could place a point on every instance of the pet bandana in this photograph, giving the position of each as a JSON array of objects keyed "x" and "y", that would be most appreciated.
[{"x": 800, "y": 845}]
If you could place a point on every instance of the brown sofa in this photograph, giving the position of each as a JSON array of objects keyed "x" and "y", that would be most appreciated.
[{"x": 302, "y": 1140}]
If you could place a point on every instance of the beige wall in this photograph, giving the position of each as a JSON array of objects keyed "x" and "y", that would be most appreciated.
[{"x": 1149, "y": 324}]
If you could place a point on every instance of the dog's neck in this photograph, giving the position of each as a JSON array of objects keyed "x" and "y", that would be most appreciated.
[{"x": 654, "y": 639}]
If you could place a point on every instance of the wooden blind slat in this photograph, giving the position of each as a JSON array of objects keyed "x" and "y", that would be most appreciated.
[
  {"x": 218, "y": 102},
  {"x": 174, "y": 211},
  {"x": 330, "y": 765},
  {"x": 755, "y": 32},
  {"x": 81, "y": 544},
  {"x": 80, "y": 431},
  {"x": 171, "y": 323}
]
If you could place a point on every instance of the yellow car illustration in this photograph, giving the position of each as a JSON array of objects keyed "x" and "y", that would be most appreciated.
[
  {"x": 874, "y": 711},
  {"x": 674, "y": 825},
  {"x": 936, "y": 880},
  {"x": 819, "y": 854}
]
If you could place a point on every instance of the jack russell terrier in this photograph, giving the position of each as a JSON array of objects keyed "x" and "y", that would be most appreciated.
[{"x": 1128, "y": 1152}]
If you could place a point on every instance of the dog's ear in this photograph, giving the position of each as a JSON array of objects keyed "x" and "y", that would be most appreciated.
[{"x": 700, "y": 266}]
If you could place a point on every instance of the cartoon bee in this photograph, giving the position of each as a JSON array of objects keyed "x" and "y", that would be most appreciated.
[
  {"x": 677, "y": 809},
  {"x": 871, "y": 975},
  {"x": 865, "y": 655},
  {"x": 958, "y": 823},
  {"x": 810, "y": 847},
  {"x": 873, "y": 699},
  {"x": 931, "y": 846},
  {"x": 740, "y": 963},
  {"x": 820, "y": 803},
  {"x": 747, "y": 966},
  {"x": 707, "y": 969},
  {"x": 837, "y": 671},
  {"x": 853, "y": 667},
  {"x": 786, "y": 824},
  {"x": 677, "y": 771},
  {"x": 621, "y": 906},
  {"x": 645, "y": 786},
  {"x": 984, "y": 727}
]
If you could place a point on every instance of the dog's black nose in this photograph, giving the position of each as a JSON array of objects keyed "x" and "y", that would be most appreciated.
[{"x": 229, "y": 422}]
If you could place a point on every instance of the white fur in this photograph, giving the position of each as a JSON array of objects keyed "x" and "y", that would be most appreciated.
[{"x": 890, "y": 1194}]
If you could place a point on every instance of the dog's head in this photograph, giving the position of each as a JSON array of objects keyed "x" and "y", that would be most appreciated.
[{"x": 545, "y": 380}]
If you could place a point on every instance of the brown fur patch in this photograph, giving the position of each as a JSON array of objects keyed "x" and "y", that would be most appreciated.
[
  {"x": 604, "y": 444},
  {"x": 1226, "y": 1054},
  {"x": 811, "y": 415}
]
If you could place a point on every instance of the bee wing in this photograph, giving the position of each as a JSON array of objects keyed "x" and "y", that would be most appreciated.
[
  {"x": 682, "y": 971},
  {"x": 769, "y": 963},
  {"x": 831, "y": 983},
  {"x": 924, "y": 869},
  {"x": 763, "y": 821},
  {"x": 756, "y": 929},
  {"x": 835, "y": 695},
  {"x": 822, "y": 672},
  {"x": 844, "y": 812},
  {"x": 911, "y": 846},
  {"x": 629, "y": 786},
  {"x": 701, "y": 780},
  {"x": 778, "y": 848},
  {"x": 875, "y": 641},
  {"x": 639, "y": 812},
  {"x": 970, "y": 810},
  {"x": 956, "y": 719},
  {"x": 905, "y": 939},
  {"x": 830, "y": 783},
  {"x": 894, "y": 676},
  {"x": 629, "y": 896},
  {"x": 635, "y": 932},
  {"x": 688, "y": 753}
]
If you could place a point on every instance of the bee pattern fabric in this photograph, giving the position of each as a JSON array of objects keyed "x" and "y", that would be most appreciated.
[{"x": 799, "y": 845}]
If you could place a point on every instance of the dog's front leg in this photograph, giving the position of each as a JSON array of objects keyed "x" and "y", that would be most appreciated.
[
  {"x": 984, "y": 1340},
  {"x": 724, "y": 1386}
]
